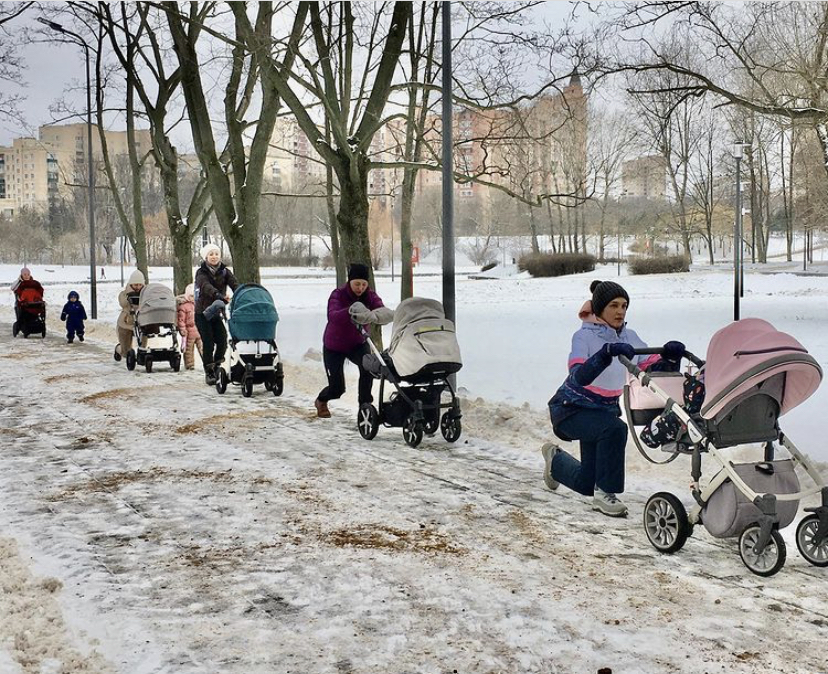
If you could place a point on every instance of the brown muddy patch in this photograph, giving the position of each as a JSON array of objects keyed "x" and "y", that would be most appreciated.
[
  {"x": 221, "y": 420},
  {"x": 114, "y": 481},
  {"x": 115, "y": 394},
  {"x": 424, "y": 540}
]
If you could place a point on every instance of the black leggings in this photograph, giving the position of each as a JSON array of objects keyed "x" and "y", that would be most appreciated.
[
  {"x": 213, "y": 336},
  {"x": 335, "y": 369}
]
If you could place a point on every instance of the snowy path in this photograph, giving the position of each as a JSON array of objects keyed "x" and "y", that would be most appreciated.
[{"x": 150, "y": 525}]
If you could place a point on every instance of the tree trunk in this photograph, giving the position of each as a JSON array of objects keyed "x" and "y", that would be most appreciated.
[
  {"x": 406, "y": 247},
  {"x": 352, "y": 217},
  {"x": 533, "y": 229}
]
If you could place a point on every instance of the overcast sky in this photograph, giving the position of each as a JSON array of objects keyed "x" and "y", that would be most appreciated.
[{"x": 55, "y": 70}]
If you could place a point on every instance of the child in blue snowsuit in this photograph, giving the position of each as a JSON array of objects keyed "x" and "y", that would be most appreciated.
[
  {"x": 74, "y": 314},
  {"x": 585, "y": 407}
]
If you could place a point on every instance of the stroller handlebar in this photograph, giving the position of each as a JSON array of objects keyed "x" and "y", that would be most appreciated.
[{"x": 655, "y": 351}]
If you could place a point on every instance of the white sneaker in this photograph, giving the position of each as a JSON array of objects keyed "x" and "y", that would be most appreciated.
[
  {"x": 549, "y": 450},
  {"x": 608, "y": 503}
]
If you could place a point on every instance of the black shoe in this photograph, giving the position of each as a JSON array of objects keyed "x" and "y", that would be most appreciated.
[
  {"x": 69, "y": 340},
  {"x": 210, "y": 374},
  {"x": 80, "y": 338},
  {"x": 117, "y": 355}
]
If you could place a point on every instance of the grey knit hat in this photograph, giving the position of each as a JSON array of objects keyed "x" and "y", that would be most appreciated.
[{"x": 604, "y": 292}]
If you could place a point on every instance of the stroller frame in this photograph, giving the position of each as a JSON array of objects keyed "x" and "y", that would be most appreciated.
[
  {"x": 271, "y": 374},
  {"x": 760, "y": 545},
  {"x": 146, "y": 356},
  {"x": 424, "y": 418}
]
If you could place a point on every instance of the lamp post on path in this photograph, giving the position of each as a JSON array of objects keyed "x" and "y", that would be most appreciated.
[{"x": 91, "y": 175}]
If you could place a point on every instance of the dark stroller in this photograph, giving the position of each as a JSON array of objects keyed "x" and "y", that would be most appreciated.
[
  {"x": 422, "y": 356},
  {"x": 29, "y": 310},
  {"x": 753, "y": 374},
  {"x": 253, "y": 357},
  {"x": 155, "y": 329}
]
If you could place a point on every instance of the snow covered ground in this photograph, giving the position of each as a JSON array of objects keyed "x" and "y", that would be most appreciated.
[{"x": 150, "y": 525}]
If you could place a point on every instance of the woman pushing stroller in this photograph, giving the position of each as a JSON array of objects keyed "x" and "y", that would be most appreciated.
[
  {"x": 212, "y": 280},
  {"x": 586, "y": 408},
  {"x": 352, "y": 303}
]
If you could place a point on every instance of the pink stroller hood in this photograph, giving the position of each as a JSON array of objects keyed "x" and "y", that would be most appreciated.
[{"x": 746, "y": 353}]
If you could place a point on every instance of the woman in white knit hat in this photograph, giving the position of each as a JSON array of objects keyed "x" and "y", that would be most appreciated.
[{"x": 212, "y": 280}]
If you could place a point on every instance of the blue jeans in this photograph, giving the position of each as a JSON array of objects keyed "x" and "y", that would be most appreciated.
[{"x": 603, "y": 438}]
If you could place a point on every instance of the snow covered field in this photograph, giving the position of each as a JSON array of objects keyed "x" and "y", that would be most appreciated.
[{"x": 149, "y": 525}]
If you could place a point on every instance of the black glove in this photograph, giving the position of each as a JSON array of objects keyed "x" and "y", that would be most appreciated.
[
  {"x": 63, "y": 317},
  {"x": 673, "y": 351},
  {"x": 620, "y": 349}
]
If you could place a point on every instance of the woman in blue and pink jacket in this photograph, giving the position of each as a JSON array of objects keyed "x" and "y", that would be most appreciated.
[{"x": 585, "y": 407}]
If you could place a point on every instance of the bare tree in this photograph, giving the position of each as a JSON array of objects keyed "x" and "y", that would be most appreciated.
[{"x": 10, "y": 63}]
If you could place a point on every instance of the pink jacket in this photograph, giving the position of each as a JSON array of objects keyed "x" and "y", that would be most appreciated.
[{"x": 186, "y": 318}]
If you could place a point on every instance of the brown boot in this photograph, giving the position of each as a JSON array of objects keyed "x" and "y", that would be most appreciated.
[{"x": 322, "y": 410}]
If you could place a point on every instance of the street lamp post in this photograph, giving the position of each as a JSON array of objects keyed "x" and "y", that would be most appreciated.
[
  {"x": 448, "y": 173},
  {"x": 738, "y": 271},
  {"x": 91, "y": 175}
]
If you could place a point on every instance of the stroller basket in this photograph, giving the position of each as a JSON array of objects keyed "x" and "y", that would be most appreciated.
[{"x": 728, "y": 511}]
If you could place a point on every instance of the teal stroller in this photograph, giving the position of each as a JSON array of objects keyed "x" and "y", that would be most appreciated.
[{"x": 253, "y": 357}]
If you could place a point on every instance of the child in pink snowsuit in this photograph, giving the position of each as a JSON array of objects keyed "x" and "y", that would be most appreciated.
[{"x": 187, "y": 327}]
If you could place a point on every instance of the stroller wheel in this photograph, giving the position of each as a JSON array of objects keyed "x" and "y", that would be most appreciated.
[
  {"x": 15, "y": 329},
  {"x": 148, "y": 363},
  {"x": 666, "y": 523},
  {"x": 278, "y": 386},
  {"x": 175, "y": 363},
  {"x": 412, "y": 432},
  {"x": 247, "y": 387},
  {"x": 131, "y": 360},
  {"x": 805, "y": 535},
  {"x": 268, "y": 385},
  {"x": 222, "y": 380},
  {"x": 450, "y": 427},
  {"x": 368, "y": 421},
  {"x": 43, "y": 333},
  {"x": 770, "y": 560}
]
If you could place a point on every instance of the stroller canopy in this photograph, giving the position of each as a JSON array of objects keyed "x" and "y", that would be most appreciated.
[
  {"x": 422, "y": 336},
  {"x": 253, "y": 315},
  {"x": 747, "y": 353},
  {"x": 156, "y": 305}
]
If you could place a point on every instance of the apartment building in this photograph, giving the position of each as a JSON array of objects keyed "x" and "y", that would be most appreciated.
[{"x": 644, "y": 178}]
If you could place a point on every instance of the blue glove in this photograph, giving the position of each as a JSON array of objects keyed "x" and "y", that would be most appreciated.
[
  {"x": 673, "y": 351},
  {"x": 620, "y": 349}
]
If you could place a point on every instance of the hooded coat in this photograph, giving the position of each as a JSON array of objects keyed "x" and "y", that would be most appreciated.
[
  {"x": 126, "y": 319},
  {"x": 186, "y": 317},
  {"x": 74, "y": 314},
  {"x": 340, "y": 333}
]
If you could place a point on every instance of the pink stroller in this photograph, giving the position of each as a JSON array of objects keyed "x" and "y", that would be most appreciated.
[{"x": 754, "y": 374}]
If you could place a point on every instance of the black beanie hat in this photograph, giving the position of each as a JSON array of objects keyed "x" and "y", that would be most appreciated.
[
  {"x": 357, "y": 271},
  {"x": 604, "y": 292}
]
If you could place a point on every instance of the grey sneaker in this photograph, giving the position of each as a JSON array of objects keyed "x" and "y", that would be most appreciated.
[
  {"x": 608, "y": 503},
  {"x": 549, "y": 450}
]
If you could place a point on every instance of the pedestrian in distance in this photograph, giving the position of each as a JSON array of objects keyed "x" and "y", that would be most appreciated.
[
  {"x": 350, "y": 305},
  {"x": 73, "y": 315},
  {"x": 190, "y": 339},
  {"x": 212, "y": 281},
  {"x": 128, "y": 301},
  {"x": 585, "y": 407}
]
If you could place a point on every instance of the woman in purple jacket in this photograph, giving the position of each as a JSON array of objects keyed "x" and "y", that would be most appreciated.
[{"x": 353, "y": 303}]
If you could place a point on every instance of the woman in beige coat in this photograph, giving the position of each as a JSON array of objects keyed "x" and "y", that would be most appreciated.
[{"x": 128, "y": 299}]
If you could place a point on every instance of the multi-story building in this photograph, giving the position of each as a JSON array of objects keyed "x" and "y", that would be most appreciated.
[
  {"x": 644, "y": 178},
  {"x": 35, "y": 173},
  {"x": 28, "y": 176}
]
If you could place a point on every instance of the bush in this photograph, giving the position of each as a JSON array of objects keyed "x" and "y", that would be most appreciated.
[
  {"x": 556, "y": 264},
  {"x": 486, "y": 267},
  {"x": 288, "y": 260},
  {"x": 659, "y": 265}
]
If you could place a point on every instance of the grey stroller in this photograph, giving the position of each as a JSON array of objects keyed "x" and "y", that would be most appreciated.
[
  {"x": 155, "y": 329},
  {"x": 422, "y": 356},
  {"x": 753, "y": 375}
]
